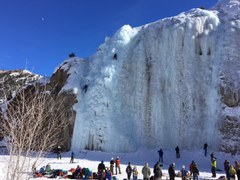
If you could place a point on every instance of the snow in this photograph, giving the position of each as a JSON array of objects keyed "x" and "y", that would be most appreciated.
[{"x": 91, "y": 159}]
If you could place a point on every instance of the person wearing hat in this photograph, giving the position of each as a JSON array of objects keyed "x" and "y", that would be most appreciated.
[
  {"x": 184, "y": 173},
  {"x": 117, "y": 165},
  {"x": 171, "y": 171}
]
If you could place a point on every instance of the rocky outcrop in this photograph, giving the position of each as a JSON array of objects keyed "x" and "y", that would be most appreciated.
[
  {"x": 230, "y": 96},
  {"x": 230, "y": 132},
  {"x": 11, "y": 81},
  {"x": 68, "y": 99}
]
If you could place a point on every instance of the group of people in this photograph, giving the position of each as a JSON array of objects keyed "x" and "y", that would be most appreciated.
[
  {"x": 157, "y": 172},
  {"x": 160, "y": 153},
  {"x": 232, "y": 170},
  {"x": 108, "y": 173},
  {"x": 104, "y": 172}
]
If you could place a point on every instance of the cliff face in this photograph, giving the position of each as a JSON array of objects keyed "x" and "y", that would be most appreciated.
[
  {"x": 16, "y": 81},
  {"x": 168, "y": 83}
]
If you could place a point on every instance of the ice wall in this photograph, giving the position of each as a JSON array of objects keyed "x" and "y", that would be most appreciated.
[{"x": 160, "y": 91}]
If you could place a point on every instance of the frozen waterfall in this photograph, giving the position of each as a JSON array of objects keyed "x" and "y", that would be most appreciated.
[{"x": 161, "y": 91}]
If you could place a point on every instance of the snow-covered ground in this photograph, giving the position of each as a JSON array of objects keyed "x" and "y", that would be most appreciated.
[{"x": 91, "y": 160}]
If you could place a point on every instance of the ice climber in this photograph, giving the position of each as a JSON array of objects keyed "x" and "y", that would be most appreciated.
[
  {"x": 177, "y": 152},
  {"x": 205, "y": 146},
  {"x": 160, "y": 153}
]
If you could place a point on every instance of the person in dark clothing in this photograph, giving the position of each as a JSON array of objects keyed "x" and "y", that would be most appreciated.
[
  {"x": 115, "y": 56},
  {"x": 129, "y": 171},
  {"x": 72, "y": 158},
  {"x": 157, "y": 171},
  {"x": 226, "y": 168},
  {"x": 171, "y": 171},
  {"x": 160, "y": 153},
  {"x": 59, "y": 156},
  {"x": 112, "y": 165},
  {"x": 195, "y": 172},
  {"x": 237, "y": 167},
  {"x": 101, "y": 169},
  {"x": 85, "y": 88},
  {"x": 205, "y": 146},
  {"x": 212, "y": 156},
  {"x": 177, "y": 152}
]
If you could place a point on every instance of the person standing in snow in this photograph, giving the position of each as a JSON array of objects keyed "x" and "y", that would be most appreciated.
[
  {"x": 171, "y": 171},
  {"x": 177, "y": 152},
  {"x": 101, "y": 170},
  {"x": 214, "y": 167},
  {"x": 226, "y": 169},
  {"x": 135, "y": 173},
  {"x": 205, "y": 146},
  {"x": 129, "y": 171},
  {"x": 232, "y": 172},
  {"x": 191, "y": 166},
  {"x": 237, "y": 168},
  {"x": 157, "y": 172},
  {"x": 160, "y": 153},
  {"x": 195, "y": 172},
  {"x": 72, "y": 158},
  {"x": 59, "y": 156},
  {"x": 111, "y": 165},
  {"x": 117, "y": 165},
  {"x": 146, "y": 171}
]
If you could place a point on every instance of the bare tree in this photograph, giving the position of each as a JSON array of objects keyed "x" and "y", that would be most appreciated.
[{"x": 33, "y": 123}]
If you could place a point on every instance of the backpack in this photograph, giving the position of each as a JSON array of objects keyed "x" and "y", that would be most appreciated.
[
  {"x": 232, "y": 171},
  {"x": 135, "y": 172}
]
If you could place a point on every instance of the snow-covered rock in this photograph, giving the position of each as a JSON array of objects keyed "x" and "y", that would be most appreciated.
[{"x": 11, "y": 80}]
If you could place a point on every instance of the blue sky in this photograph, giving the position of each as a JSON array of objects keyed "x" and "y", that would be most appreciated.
[{"x": 40, "y": 34}]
